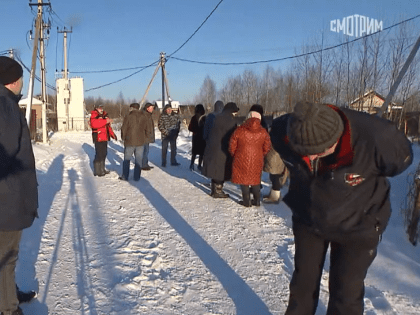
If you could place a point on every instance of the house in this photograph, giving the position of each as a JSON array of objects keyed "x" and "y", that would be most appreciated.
[{"x": 370, "y": 103}]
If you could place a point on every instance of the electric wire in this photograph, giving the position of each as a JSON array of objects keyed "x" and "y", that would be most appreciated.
[
  {"x": 205, "y": 20},
  {"x": 295, "y": 56}
]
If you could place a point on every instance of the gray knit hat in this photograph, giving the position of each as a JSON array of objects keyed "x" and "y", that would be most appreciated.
[
  {"x": 10, "y": 70},
  {"x": 313, "y": 128}
]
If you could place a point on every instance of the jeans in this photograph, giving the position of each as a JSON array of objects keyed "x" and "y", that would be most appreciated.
[
  {"x": 9, "y": 249},
  {"x": 145, "y": 162},
  {"x": 165, "y": 142},
  {"x": 138, "y": 158}
]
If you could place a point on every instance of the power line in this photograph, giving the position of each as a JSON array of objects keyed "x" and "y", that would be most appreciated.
[
  {"x": 205, "y": 20},
  {"x": 98, "y": 87},
  {"x": 295, "y": 56},
  {"x": 154, "y": 63},
  {"x": 29, "y": 70}
]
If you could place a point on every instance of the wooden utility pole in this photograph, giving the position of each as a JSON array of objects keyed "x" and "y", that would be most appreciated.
[
  {"x": 162, "y": 64},
  {"x": 39, "y": 36}
]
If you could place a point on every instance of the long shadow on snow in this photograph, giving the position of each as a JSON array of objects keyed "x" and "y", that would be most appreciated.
[
  {"x": 49, "y": 184},
  {"x": 245, "y": 299},
  {"x": 85, "y": 288},
  {"x": 114, "y": 159},
  {"x": 183, "y": 171}
]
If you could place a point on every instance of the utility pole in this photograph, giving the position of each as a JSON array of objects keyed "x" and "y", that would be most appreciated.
[
  {"x": 66, "y": 77},
  {"x": 162, "y": 64},
  {"x": 39, "y": 35}
]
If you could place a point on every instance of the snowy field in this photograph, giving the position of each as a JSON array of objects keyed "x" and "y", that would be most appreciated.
[{"x": 163, "y": 246}]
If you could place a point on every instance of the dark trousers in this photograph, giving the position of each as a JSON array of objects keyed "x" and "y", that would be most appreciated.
[
  {"x": 172, "y": 143},
  {"x": 101, "y": 149},
  {"x": 247, "y": 190},
  {"x": 349, "y": 262},
  {"x": 275, "y": 181},
  {"x": 9, "y": 249}
]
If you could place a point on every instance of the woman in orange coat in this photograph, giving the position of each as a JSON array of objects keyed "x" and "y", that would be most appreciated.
[
  {"x": 248, "y": 145},
  {"x": 101, "y": 134}
]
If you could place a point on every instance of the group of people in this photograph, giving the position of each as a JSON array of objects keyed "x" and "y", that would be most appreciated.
[{"x": 338, "y": 160}]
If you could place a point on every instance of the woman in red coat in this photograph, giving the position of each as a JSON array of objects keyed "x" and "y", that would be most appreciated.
[
  {"x": 101, "y": 134},
  {"x": 248, "y": 145}
]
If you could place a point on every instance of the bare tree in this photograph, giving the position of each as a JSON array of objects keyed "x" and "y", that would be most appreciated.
[{"x": 207, "y": 95}]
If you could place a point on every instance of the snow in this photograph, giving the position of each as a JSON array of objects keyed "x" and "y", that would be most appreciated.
[{"x": 163, "y": 246}]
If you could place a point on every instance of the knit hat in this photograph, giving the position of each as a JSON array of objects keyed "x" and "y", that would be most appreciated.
[
  {"x": 99, "y": 106},
  {"x": 257, "y": 108},
  {"x": 10, "y": 70},
  {"x": 313, "y": 128}
]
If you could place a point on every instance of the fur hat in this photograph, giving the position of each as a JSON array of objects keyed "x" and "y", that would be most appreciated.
[
  {"x": 313, "y": 128},
  {"x": 10, "y": 70}
]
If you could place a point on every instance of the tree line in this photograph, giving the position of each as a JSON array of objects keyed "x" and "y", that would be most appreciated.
[{"x": 335, "y": 76}]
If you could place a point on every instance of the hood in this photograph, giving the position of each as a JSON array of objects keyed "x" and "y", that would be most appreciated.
[
  {"x": 218, "y": 107},
  {"x": 230, "y": 108}
]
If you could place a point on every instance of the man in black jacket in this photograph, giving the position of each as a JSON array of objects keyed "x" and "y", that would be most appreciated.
[
  {"x": 339, "y": 161},
  {"x": 18, "y": 183}
]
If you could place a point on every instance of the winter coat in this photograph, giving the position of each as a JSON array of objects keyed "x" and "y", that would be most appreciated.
[
  {"x": 346, "y": 192},
  {"x": 196, "y": 126},
  {"x": 248, "y": 145},
  {"x": 217, "y": 161},
  {"x": 169, "y": 125},
  {"x": 18, "y": 183},
  {"x": 101, "y": 130},
  {"x": 150, "y": 127},
  {"x": 134, "y": 130},
  {"x": 218, "y": 108}
]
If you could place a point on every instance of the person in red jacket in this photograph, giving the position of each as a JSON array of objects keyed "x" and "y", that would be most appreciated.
[
  {"x": 248, "y": 145},
  {"x": 101, "y": 134}
]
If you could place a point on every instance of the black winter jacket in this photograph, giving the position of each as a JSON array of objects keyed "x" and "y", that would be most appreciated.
[
  {"x": 18, "y": 184},
  {"x": 217, "y": 161},
  {"x": 348, "y": 191}
]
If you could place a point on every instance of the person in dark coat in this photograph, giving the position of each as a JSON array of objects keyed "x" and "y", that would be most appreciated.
[
  {"x": 339, "y": 161},
  {"x": 134, "y": 133},
  {"x": 101, "y": 133},
  {"x": 148, "y": 109},
  {"x": 248, "y": 145},
  {"x": 169, "y": 125},
  {"x": 18, "y": 183},
  {"x": 218, "y": 107},
  {"x": 196, "y": 126},
  {"x": 217, "y": 161}
]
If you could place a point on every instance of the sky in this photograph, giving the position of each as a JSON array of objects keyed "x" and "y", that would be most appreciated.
[{"x": 109, "y": 35}]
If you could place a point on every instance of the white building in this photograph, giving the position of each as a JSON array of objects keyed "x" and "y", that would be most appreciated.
[{"x": 70, "y": 104}]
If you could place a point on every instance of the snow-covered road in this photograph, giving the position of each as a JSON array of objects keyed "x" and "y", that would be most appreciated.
[{"x": 163, "y": 246}]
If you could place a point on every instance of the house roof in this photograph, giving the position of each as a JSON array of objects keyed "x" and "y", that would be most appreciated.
[
  {"x": 25, "y": 101},
  {"x": 367, "y": 94}
]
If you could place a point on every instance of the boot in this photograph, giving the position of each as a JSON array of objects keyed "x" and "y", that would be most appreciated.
[
  {"x": 104, "y": 170},
  {"x": 246, "y": 199},
  {"x": 97, "y": 169},
  {"x": 273, "y": 197},
  {"x": 218, "y": 191},
  {"x": 213, "y": 189}
]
